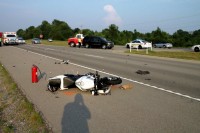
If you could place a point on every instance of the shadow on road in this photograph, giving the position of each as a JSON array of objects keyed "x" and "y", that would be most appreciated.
[{"x": 75, "y": 116}]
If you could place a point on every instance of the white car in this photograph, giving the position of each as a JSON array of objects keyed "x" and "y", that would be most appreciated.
[
  {"x": 20, "y": 40},
  {"x": 196, "y": 48},
  {"x": 163, "y": 45},
  {"x": 139, "y": 44}
]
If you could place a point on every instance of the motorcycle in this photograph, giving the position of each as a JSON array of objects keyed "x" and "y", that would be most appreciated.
[{"x": 89, "y": 82}]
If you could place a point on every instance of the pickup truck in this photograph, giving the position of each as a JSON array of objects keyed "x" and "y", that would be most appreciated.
[{"x": 75, "y": 41}]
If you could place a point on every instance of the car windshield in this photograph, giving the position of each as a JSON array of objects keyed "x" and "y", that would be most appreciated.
[
  {"x": 144, "y": 41},
  {"x": 11, "y": 36},
  {"x": 104, "y": 39}
]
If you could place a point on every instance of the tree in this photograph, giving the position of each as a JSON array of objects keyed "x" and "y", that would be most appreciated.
[
  {"x": 87, "y": 32},
  {"x": 125, "y": 36},
  {"x": 112, "y": 34},
  {"x": 30, "y": 32},
  {"x": 195, "y": 37},
  {"x": 76, "y": 31},
  {"x": 21, "y": 33},
  {"x": 37, "y": 32},
  {"x": 60, "y": 30},
  {"x": 45, "y": 28},
  {"x": 158, "y": 36},
  {"x": 181, "y": 38}
]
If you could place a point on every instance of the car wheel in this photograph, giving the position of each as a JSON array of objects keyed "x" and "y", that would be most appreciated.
[
  {"x": 87, "y": 46},
  {"x": 139, "y": 47},
  {"x": 127, "y": 46},
  {"x": 104, "y": 46},
  {"x": 72, "y": 44},
  {"x": 196, "y": 49},
  {"x": 164, "y": 46}
]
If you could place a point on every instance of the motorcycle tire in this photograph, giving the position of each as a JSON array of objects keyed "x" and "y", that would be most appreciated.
[{"x": 112, "y": 80}]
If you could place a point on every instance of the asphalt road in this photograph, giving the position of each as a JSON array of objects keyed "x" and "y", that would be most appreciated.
[
  {"x": 170, "y": 74},
  {"x": 165, "y": 100}
]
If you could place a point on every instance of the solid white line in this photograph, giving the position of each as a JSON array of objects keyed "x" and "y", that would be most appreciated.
[
  {"x": 94, "y": 56},
  {"x": 134, "y": 81},
  {"x": 50, "y": 49}
]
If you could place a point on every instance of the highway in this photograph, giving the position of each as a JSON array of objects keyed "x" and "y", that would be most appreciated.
[
  {"x": 165, "y": 99},
  {"x": 169, "y": 74}
]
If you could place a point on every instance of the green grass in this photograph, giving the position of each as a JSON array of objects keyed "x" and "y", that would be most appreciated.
[
  {"x": 189, "y": 55},
  {"x": 15, "y": 108},
  {"x": 55, "y": 42}
]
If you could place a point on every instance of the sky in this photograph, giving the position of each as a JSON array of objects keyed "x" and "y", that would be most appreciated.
[{"x": 143, "y": 15}]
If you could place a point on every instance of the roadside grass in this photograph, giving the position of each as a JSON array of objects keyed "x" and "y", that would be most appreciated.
[
  {"x": 189, "y": 55},
  {"x": 17, "y": 114},
  {"x": 54, "y": 42}
]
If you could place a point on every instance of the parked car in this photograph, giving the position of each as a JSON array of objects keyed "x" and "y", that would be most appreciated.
[
  {"x": 50, "y": 40},
  {"x": 36, "y": 41},
  {"x": 196, "y": 48},
  {"x": 95, "y": 41},
  {"x": 139, "y": 44},
  {"x": 20, "y": 40},
  {"x": 163, "y": 45}
]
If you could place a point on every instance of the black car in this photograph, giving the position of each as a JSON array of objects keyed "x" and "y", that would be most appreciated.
[{"x": 95, "y": 41}]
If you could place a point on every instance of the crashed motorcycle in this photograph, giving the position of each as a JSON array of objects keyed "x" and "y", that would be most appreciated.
[{"x": 89, "y": 82}]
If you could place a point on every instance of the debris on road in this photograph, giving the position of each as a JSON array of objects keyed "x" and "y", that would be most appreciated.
[
  {"x": 62, "y": 62},
  {"x": 126, "y": 86},
  {"x": 141, "y": 72}
]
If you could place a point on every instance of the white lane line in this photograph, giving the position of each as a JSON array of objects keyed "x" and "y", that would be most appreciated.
[
  {"x": 94, "y": 56},
  {"x": 134, "y": 81},
  {"x": 44, "y": 48},
  {"x": 50, "y": 49}
]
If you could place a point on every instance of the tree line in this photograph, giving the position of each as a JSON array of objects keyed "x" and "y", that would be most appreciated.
[{"x": 60, "y": 30}]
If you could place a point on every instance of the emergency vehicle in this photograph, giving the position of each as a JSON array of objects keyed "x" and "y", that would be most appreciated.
[
  {"x": 1, "y": 34},
  {"x": 9, "y": 38}
]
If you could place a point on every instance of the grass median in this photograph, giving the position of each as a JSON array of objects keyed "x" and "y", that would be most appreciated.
[
  {"x": 54, "y": 42},
  {"x": 17, "y": 114},
  {"x": 188, "y": 55}
]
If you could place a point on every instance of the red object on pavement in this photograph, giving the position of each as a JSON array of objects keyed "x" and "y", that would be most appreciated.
[{"x": 34, "y": 74}]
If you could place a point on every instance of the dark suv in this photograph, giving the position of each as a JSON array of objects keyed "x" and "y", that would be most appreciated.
[{"x": 95, "y": 41}]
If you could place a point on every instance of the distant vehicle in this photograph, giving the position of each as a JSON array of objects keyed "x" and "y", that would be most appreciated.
[
  {"x": 50, "y": 40},
  {"x": 139, "y": 44},
  {"x": 20, "y": 40},
  {"x": 95, "y": 41},
  {"x": 1, "y": 35},
  {"x": 162, "y": 45},
  {"x": 9, "y": 38},
  {"x": 196, "y": 48},
  {"x": 75, "y": 41},
  {"x": 36, "y": 41}
]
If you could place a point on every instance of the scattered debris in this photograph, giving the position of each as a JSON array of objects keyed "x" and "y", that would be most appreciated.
[
  {"x": 126, "y": 86},
  {"x": 142, "y": 72},
  {"x": 62, "y": 62}
]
